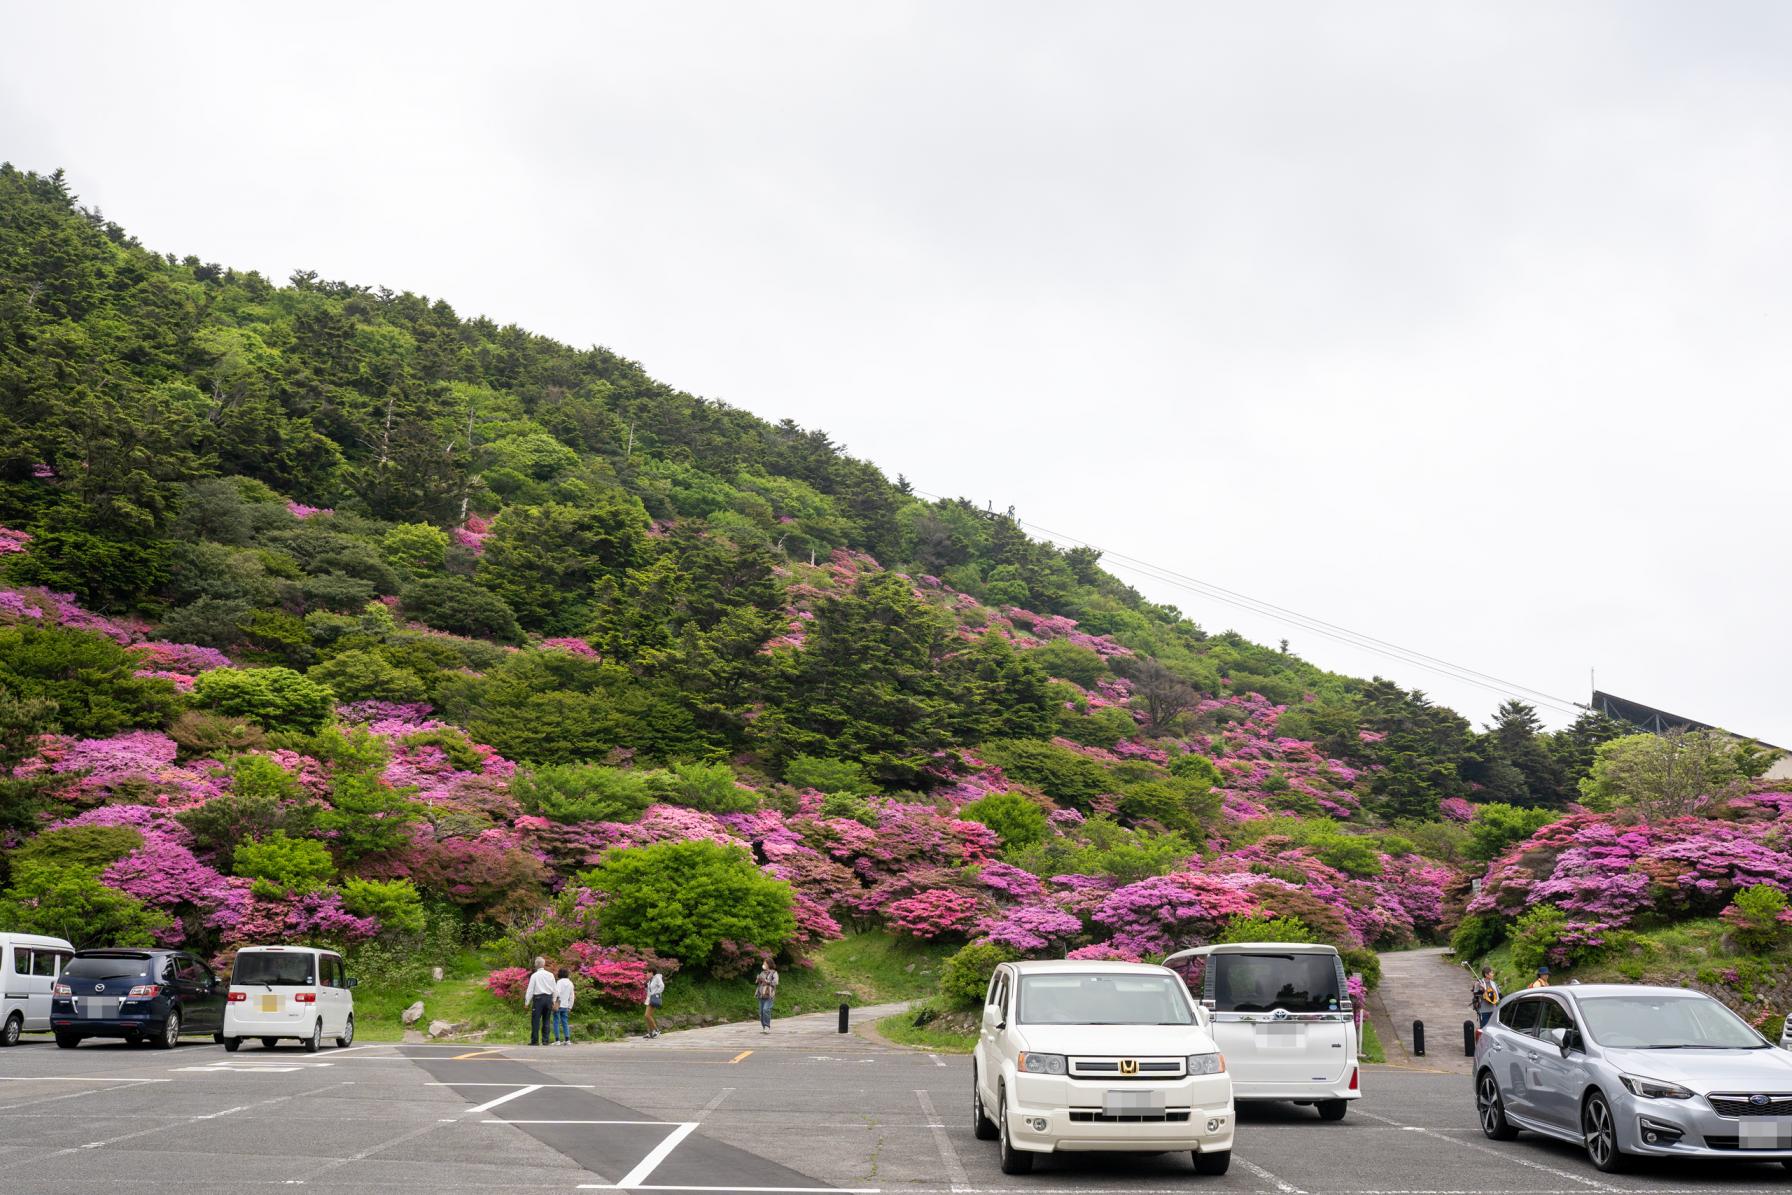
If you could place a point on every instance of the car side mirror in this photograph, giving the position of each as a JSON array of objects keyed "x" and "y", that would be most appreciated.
[
  {"x": 1563, "y": 1039},
  {"x": 349, "y": 983}
]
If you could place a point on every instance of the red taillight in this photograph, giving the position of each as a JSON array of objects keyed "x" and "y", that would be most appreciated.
[
  {"x": 1353, "y": 1075},
  {"x": 144, "y": 991},
  {"x": 61, "y": 989},
  {"x": 236, "y": 997},
  {"x": 306, "y": 997}
]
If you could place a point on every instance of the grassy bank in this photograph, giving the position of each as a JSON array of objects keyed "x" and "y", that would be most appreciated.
[{"x": 873, "y": 967}]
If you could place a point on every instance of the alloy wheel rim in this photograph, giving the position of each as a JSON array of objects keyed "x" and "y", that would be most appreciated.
[
  {"x": 171, "y": 1030},
  {"x": 1489, "y": 1103},
  {"x": 1598, "y": 1131}
]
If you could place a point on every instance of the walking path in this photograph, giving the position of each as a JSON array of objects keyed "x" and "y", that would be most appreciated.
[
  {"x": 1422, "y": 985},
  {"x": 811, "y": 1031}
]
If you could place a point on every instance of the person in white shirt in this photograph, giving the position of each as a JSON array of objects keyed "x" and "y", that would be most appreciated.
[
  {"x": 539, "y": 999},
  {"x": 656, "y": 991},
  {"x": 563, "y": 998}
]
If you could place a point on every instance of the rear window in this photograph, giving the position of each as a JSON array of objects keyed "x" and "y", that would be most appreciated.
[
  {"x": 1265, "y": 982},
  {"x": 115, "y": 967},
  {"x": 298, "y": 970}
]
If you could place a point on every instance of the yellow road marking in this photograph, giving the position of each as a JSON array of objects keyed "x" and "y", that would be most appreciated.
[{"x": 738, "y": 1057}]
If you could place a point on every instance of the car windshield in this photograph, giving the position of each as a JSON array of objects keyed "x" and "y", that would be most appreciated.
[
  {"x": 103, "y": 967},
  {"x": 1666, "y": 1023},
  {"x": 263, "y": 967},
  {"x": 1263, "y": 982},
  {"x": 1102, "y": 1000}
]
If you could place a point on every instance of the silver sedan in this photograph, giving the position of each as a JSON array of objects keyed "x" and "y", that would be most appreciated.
[{"x": 1633, "y": 1071}]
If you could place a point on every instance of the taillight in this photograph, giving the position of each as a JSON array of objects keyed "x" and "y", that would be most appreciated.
[
  {"x": 306, "y": 997},
  {"x": 1353, "y": 1074},
  {"x": 234, "y": 997},
  {"x": 144, "y": 991},
  {"x": 61, "y": 989}
]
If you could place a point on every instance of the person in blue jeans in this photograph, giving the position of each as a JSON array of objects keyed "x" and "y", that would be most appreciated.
[
  {"x": 765, "y": 989},
  {"x": 563, "y": 1000}
]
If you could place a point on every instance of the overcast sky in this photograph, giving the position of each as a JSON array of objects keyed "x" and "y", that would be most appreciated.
[{"x": 1461, "y": 325}]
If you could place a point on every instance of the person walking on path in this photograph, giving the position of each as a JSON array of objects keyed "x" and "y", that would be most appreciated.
[
  {"x": 765, "y": 988},
  {"x": 656, "y": 991},
  {"x": 1486, "y": 994},
  {"x": 539, "y": 999},
  {"x": 1542, "y": 980},
  {"x": 563, "y": 1001}
]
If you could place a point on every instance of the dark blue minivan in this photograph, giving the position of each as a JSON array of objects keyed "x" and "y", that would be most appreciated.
[{"x": 150, "y": 996}]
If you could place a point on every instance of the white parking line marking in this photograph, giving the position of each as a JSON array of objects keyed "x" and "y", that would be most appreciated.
[
  {"x": 503, "y": 1099},
  {"x": 1505, "y": 1155},
  {"x": 75, "y": 1079},
  {"x": 121, "y": 1084},
  {"x": 640, "y": 1187},
  {"x": 536, "y": 1087},
  {"x": 279, "y": 1099},
  {"x": 936, "y": 1060},
  {"x": 661, "y": 1123},
  {"x": 650, "y": 1163},
  {"x": 955, "y": 1174},
  {"x": 1287, "y": 1188},
  {"x": 716, "y": 1102}
]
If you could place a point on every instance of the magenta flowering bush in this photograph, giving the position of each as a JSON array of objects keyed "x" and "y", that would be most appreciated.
[
  {"x": 12, "y": 541},
  {"x": 1166, "y": 913},
  {"x": 933, "y": 913},
  {"x": 508, "y": 983},
  {"x": 1031, "y": 928}
]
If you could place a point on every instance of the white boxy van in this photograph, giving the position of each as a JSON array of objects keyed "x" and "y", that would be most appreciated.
[
  {"x": 296, "y": 992},
  {"x": 29, "y": 965},
  {"x": 1282, "y": 1017}
]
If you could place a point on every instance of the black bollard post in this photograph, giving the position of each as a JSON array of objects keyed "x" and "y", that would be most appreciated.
[
  {"x": 843, "y": 1007},
  {"x": 1418, "y": 1038},
  {"x": 1468, "y": 1039},
  {"x": 845, "y": 1004}
]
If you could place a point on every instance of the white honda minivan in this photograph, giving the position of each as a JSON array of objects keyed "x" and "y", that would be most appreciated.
[
  {"x": 296, "y": 992},
  {"x": 29, "y": 965},
  {"x": 1098, "y": 1056},
  {"x": 1282, "y": 1015}
]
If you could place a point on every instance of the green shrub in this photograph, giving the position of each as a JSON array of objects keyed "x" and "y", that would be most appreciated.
[
  {"x": 710, "y": 787},
  {"x": 362, "y": 674},
  {"x": 1476, "y": 934},
  {"x": 964, "y": 977},
  {"x": 685, "y": 898},
  {"x": 583, "y": 792},
  {"x": 89, "y": 677},
  {"x": 1260, "y": 928},
  {"x": 1195, "y": 767},
  {"x": 79, "y": 846},
  {"x": 275, "y": 698},
  {"x": 1536, "y": 933},
  {"x": 364, "y": 816},
  {"x": 280, "y": 864},
  {"x": 1069, "y": 661},
  {"x": 826, "y": 775},
  {"x": 1058, "y": 772},
  {"x": 394, "y": 903},
  {"x": 1020, "y": 822},
  {"x": 415, "y": 547},
  {"x": 73, "y": 903},
  {"x": 205, "y": 735},
  {"x": 457, "y": 605},
  {"x": 1497, "y": 826},
  {"x": 1758, "y": 918},
  {"x": 849, "y": 805}
]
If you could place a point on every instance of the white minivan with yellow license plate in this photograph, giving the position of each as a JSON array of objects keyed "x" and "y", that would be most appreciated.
[
  {"x": 1282, "y": 1015},
  {"x": 1098, "y": 1056},
  {"x": 288, "y": 992}
]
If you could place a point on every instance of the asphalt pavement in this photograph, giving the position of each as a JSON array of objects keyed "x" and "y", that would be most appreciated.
[{"x": 801, "y": 1114}]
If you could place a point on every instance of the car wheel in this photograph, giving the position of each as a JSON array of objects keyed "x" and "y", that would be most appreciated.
[
  {"x": 232, "y": 1044},
  {"x": 170, "y": 1033},
  {"x": 315, "y": 1042},
  {"x": 348, "y": 1034},
  {"x": 1492, "y": 1109},
  {"x": 982, "y": 1127},
  {"x": 1213, "y": 1161},
  {"x": 1014, "y": 1161},
  {"x": 268, "y": 1043},
  {"x": 1332, "y": 1109},
  {"x": 15, "y": 1025},
  {"x": 1601, "y": 1133},
  {"x": 67, "y": 1041}
]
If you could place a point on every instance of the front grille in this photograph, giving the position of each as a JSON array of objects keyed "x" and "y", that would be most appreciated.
[
  {"x": 1738, "y": 1105},
  {"x": 1130, "y": 1117},
  {"x": 1712, "y": 1142},
  {"x": 1109, "y": 1068}
]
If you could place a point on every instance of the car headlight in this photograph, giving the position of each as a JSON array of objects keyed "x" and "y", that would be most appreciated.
[
  {"x": 1042, "y": 1064},
  {"x": 1206, "y": 1064},
  {"x": 1653, "y": 1089}
]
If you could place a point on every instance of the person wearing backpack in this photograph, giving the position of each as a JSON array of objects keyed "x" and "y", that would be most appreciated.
[
  {"x": 765, "y": 990},
  {"x": 1485, "y": 994}
]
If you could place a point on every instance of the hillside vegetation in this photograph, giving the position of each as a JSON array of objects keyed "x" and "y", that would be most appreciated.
[{"x": 328, "y": 614}]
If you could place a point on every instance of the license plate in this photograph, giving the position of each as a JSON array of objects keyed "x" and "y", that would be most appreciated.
[
  {"x": 1132, "y": 1103},
  {"x": 270, "y": 1002},
  {"x": 99, "y": 1007},
  {"x": 1766, "y": 1134},
  {"x": 1281, "y": 1037}
]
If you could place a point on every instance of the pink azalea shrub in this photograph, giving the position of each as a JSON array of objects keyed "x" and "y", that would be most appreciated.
[
  {"x": 12, "y": 541},
  {"x": 508, "y": 983},
  {"x": 933, "y": 913}
]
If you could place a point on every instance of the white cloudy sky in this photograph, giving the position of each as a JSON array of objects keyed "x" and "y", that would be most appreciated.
[{"x": 1462, "y": 325}]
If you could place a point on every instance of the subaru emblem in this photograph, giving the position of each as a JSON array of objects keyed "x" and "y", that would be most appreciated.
[
  {"x": 99, "y": 987},
  {"x": 1760, "y": 1101}
]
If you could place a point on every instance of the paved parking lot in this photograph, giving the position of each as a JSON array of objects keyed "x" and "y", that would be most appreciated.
[{"x": 774, "y": 1117}]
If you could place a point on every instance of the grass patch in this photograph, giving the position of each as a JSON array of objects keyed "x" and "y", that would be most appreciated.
[
  {"x": 949, "y": 1032},
  {"x": 1369, "y": 1048}
]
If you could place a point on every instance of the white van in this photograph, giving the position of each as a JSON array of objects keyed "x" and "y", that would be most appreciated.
[
  {"x": 29, "y": 966},
  {"x": 296, "y": 992},
  {"x": 1282, "y": 1016}
]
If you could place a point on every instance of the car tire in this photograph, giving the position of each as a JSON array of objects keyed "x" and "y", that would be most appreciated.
[
  {"x": 1599, "y": 1129},
  {"x": 315, "y": 1042},
  {"x": 268, "y": 1043},
  {"x": 1014, "y": 1161},
  {"x": 348, "y": 1034},
  {"x": 1332, "y": 1109},
  {"x": 232, "y": 1044},
  {"x": 169, "y": 1037},
  {"x": 1491, "y": 1109},
  {"x": 982, "y": 1127},
  {"x": 15, "y": 1025},
  {"x": 67, "y": 1041},
  {"x": 1213, "y": 1161}
]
